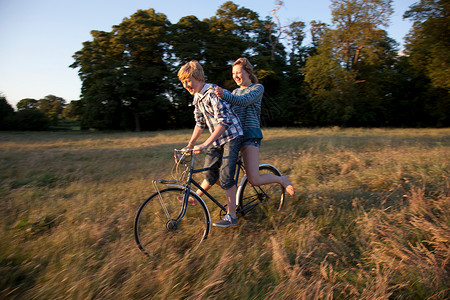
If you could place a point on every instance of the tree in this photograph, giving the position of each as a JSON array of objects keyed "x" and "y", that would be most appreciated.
[
  {"x": 428, "y": 42},
  {"x": 6, "y": 110},
  {"x": 188, "y": 39},
  {"x": 428, "y": 47},
  {"x": 124, "y": 74},
  {"x": 338, "y": 75},
  {"x": 52, "y": 106},
  {"x": 30, "y": 120},
  {"x": 142, "y": 38},
  {"x": 24, "y": 119},
  {"x": 99, "y": 62},
  {"x": 74, "y": 110},
  {"x": 349, "y": 75},
  {"x": 297, "y": 106},
  {"x": 357, "y": 30},
  {"x": 27, "y": 103},
  {"x": 318, "y": 30},
  {"x": 269, "y": 59},
  {"x": 232, "y": 34}
]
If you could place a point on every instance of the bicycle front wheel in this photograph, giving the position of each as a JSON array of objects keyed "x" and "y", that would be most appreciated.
[
  {"x": 264, "y": 200},
  {"x": 160, "y": 227}
]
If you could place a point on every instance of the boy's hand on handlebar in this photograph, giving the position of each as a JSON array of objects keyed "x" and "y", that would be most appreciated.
[{"x": 199, "y": 148}]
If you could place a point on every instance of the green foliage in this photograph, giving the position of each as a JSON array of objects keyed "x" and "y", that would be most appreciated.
[
  {"x": 428, "y": 42},
  {"x": 350, "y": 75},
  {"x": 27, "y": 119},
  {"x": 123, "y": 72},
  {"x": 52, "y": 107},
  {"x": 234, "y": 31},
  {"x": 42, "y": 114},
  {"x": 6, "y": 110},
  {"x": 73, "y": 111},
  {"x": 190, "y": 38},
  {"x": 427, "y": 45},
  {"x": 331, "y": 89},
  {"x": 30, "y": 120},
  {"x": 357, "y": 29},
  {"x": 27, "y": 103},
  {"x": 347, "y": 75}
]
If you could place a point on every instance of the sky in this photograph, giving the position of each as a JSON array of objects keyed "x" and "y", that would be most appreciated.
[{"x": 39, "y": 37}]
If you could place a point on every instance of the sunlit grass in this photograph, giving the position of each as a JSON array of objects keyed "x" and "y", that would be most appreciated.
[{"x": 370, "y": 219}]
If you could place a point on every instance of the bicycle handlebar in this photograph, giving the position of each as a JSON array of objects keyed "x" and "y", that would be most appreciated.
[
  {"x": 184, "y": 151},
  {"x": 182, "y": 155}
]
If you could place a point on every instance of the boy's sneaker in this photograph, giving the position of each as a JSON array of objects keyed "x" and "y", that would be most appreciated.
[{"x": 227, "y": 221}]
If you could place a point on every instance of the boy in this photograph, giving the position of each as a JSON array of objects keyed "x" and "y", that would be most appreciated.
[{"x": 225, "y": 129}]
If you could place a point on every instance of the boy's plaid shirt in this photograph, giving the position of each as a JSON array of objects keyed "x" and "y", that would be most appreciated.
[{"x": 212, "y": 111}]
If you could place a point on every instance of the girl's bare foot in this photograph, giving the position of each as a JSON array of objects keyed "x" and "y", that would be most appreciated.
[{"x": 287, "y": 185}]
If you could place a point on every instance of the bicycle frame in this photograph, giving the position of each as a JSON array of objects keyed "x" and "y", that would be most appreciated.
[
  {"x": 191, "y": 181},
  {"x": 187, "y": 184}
]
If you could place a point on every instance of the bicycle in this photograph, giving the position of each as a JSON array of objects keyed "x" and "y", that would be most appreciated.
[{"x": 163, "y": 221}]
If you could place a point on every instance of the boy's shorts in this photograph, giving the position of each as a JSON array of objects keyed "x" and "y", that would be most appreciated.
[{"x": 222, "y": 160}]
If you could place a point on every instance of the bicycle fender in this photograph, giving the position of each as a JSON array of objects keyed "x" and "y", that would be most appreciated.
[
  {"x": 207, "y": 210},
  {"x": 271, "y": 166},
  {"x": 244, "y": 178},
  {"x": 238, "y": 192},
  {"x": 175, "y": 185}
]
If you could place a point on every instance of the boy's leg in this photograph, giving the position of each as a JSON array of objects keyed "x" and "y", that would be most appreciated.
[
  {"x": 205, "y": 185},
  {"x": 230, "y": 218},
  {"x": 228, "y": 172},
  {"x": 231, "y": 201},
  {"x": 227, "y": 180},
  {"x": 213, "y": 160}
]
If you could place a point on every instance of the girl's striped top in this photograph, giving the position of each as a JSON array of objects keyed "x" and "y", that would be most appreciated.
[{"x": 246, "y": 102}]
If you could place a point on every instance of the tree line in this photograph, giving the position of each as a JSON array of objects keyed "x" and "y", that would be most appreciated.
[
  {"x": 39, "y": 114},
  {"x": 350, "y": 74}
]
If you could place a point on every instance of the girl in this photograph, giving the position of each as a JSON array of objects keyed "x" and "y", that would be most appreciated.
[{"x": 246, "y": 102}]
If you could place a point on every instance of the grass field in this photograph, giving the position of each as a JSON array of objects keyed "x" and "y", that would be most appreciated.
[{"x": 370, "y": 219}]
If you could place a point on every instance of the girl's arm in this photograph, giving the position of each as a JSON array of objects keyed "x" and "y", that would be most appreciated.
[{"x": 254, "y": 94}]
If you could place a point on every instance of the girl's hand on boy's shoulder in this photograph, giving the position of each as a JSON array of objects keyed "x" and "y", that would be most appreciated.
[{"x": 218, "y": 91}]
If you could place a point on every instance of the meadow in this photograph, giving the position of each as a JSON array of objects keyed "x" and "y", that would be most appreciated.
[{"x": 370, "y": 219}]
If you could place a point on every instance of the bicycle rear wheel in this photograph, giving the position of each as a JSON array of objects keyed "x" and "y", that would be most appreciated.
[
  {"x": 263, "y": 200},
  {"x": 159, "y": 230}
]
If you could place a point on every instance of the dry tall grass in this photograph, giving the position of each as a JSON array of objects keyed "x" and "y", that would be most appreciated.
[{"x": 370, "y": 219}]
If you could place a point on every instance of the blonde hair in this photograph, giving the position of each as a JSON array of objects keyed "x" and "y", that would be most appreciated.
[
  {"x": 247, "y": 66},
  {"x": 192, "y": 68}
]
